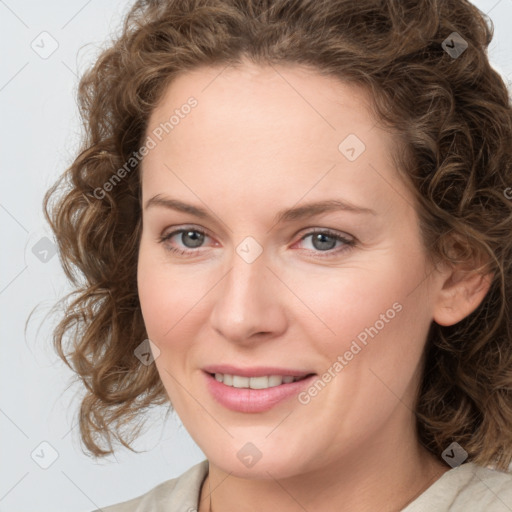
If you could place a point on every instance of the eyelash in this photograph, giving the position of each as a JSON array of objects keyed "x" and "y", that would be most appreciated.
[{"x": 348, "y": 243}]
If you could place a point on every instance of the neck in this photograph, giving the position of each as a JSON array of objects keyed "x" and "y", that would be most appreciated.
[{"x": 367, "y": 479}]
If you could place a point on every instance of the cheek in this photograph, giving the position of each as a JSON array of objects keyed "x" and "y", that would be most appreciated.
[
  {"x": 169, "y": 296},
  {"x": 158, "y": 295},
  {"x": 152, "y": 297},
  {"x": 166, "y": 301},
  {"x": 373, "y": 356},
  {"x": 365, "y": 311}
]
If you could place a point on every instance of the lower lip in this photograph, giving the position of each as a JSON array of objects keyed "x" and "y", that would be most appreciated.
[{"x": 254, "y": 400}]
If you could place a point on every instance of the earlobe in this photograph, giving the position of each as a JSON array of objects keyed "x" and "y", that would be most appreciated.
[{"x": 462, "y": 293}]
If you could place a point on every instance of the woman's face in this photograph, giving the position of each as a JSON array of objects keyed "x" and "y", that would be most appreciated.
[{"x": 301, "y": 258}]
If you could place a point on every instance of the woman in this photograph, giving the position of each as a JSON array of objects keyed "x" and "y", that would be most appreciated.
[{"x": 293, "y": 223}]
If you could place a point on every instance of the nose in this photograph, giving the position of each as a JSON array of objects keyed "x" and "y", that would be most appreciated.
[{"x": 249, "y": 303}]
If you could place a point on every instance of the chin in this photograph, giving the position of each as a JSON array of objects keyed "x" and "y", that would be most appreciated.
[{"x": 249, "y": 462}]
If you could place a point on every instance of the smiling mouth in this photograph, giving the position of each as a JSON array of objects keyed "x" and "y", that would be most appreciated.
[{"x": 262, "y": 382}]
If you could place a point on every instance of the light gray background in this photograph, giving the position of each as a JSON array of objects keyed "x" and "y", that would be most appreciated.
[{"x": 39, "y": 134}]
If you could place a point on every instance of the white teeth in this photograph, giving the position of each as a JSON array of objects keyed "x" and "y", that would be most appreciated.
[
  {"x": 264, "y": 382},
  {"x": 259, "y": 382},
  {"x": 240, "y": 382},
  {"x": 275, "y": 380}
]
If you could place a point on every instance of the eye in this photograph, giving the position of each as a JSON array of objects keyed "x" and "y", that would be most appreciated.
[
  {"x": 322, "y": 241},
  {"x": 325, "y": 240},
  {"x": 191, "y": 238}
]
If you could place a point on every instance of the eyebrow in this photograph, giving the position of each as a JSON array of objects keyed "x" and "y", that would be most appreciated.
[{"x": 286, "y": 215}]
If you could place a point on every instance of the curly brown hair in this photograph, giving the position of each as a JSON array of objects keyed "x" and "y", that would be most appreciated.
[{"x": 451, "y": 114}]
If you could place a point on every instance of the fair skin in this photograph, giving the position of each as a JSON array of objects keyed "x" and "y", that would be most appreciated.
[{"x": 260, "y": 140}]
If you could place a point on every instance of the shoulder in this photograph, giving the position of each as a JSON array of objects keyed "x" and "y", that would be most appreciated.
[
  {"x": 178, "y": 494},
  {"x": 467, "y": 488},
  {"x": 486, "y": 489}
]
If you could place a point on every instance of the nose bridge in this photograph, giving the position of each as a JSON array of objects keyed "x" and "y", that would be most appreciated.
[
  {"x": 246, "y": 287},
  {"x": 247, "y": 302}
]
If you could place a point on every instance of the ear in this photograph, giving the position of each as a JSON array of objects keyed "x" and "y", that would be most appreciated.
[{"x": 461, "y": 293}]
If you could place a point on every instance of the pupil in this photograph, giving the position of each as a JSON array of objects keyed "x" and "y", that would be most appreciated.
[
  {"x": 196, "y": 237},
  {"x": 319, "y": 238}
]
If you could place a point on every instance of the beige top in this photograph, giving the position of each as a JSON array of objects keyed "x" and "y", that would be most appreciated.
[{"x": 467, "y": 488}]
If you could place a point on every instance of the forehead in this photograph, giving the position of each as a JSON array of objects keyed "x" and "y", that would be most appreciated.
[
  {"x": 267, "y": 98},
  {"x": 268, "y": 127}
]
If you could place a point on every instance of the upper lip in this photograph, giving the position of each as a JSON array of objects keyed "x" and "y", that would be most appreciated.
[{"x": 254, "y": 371}]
